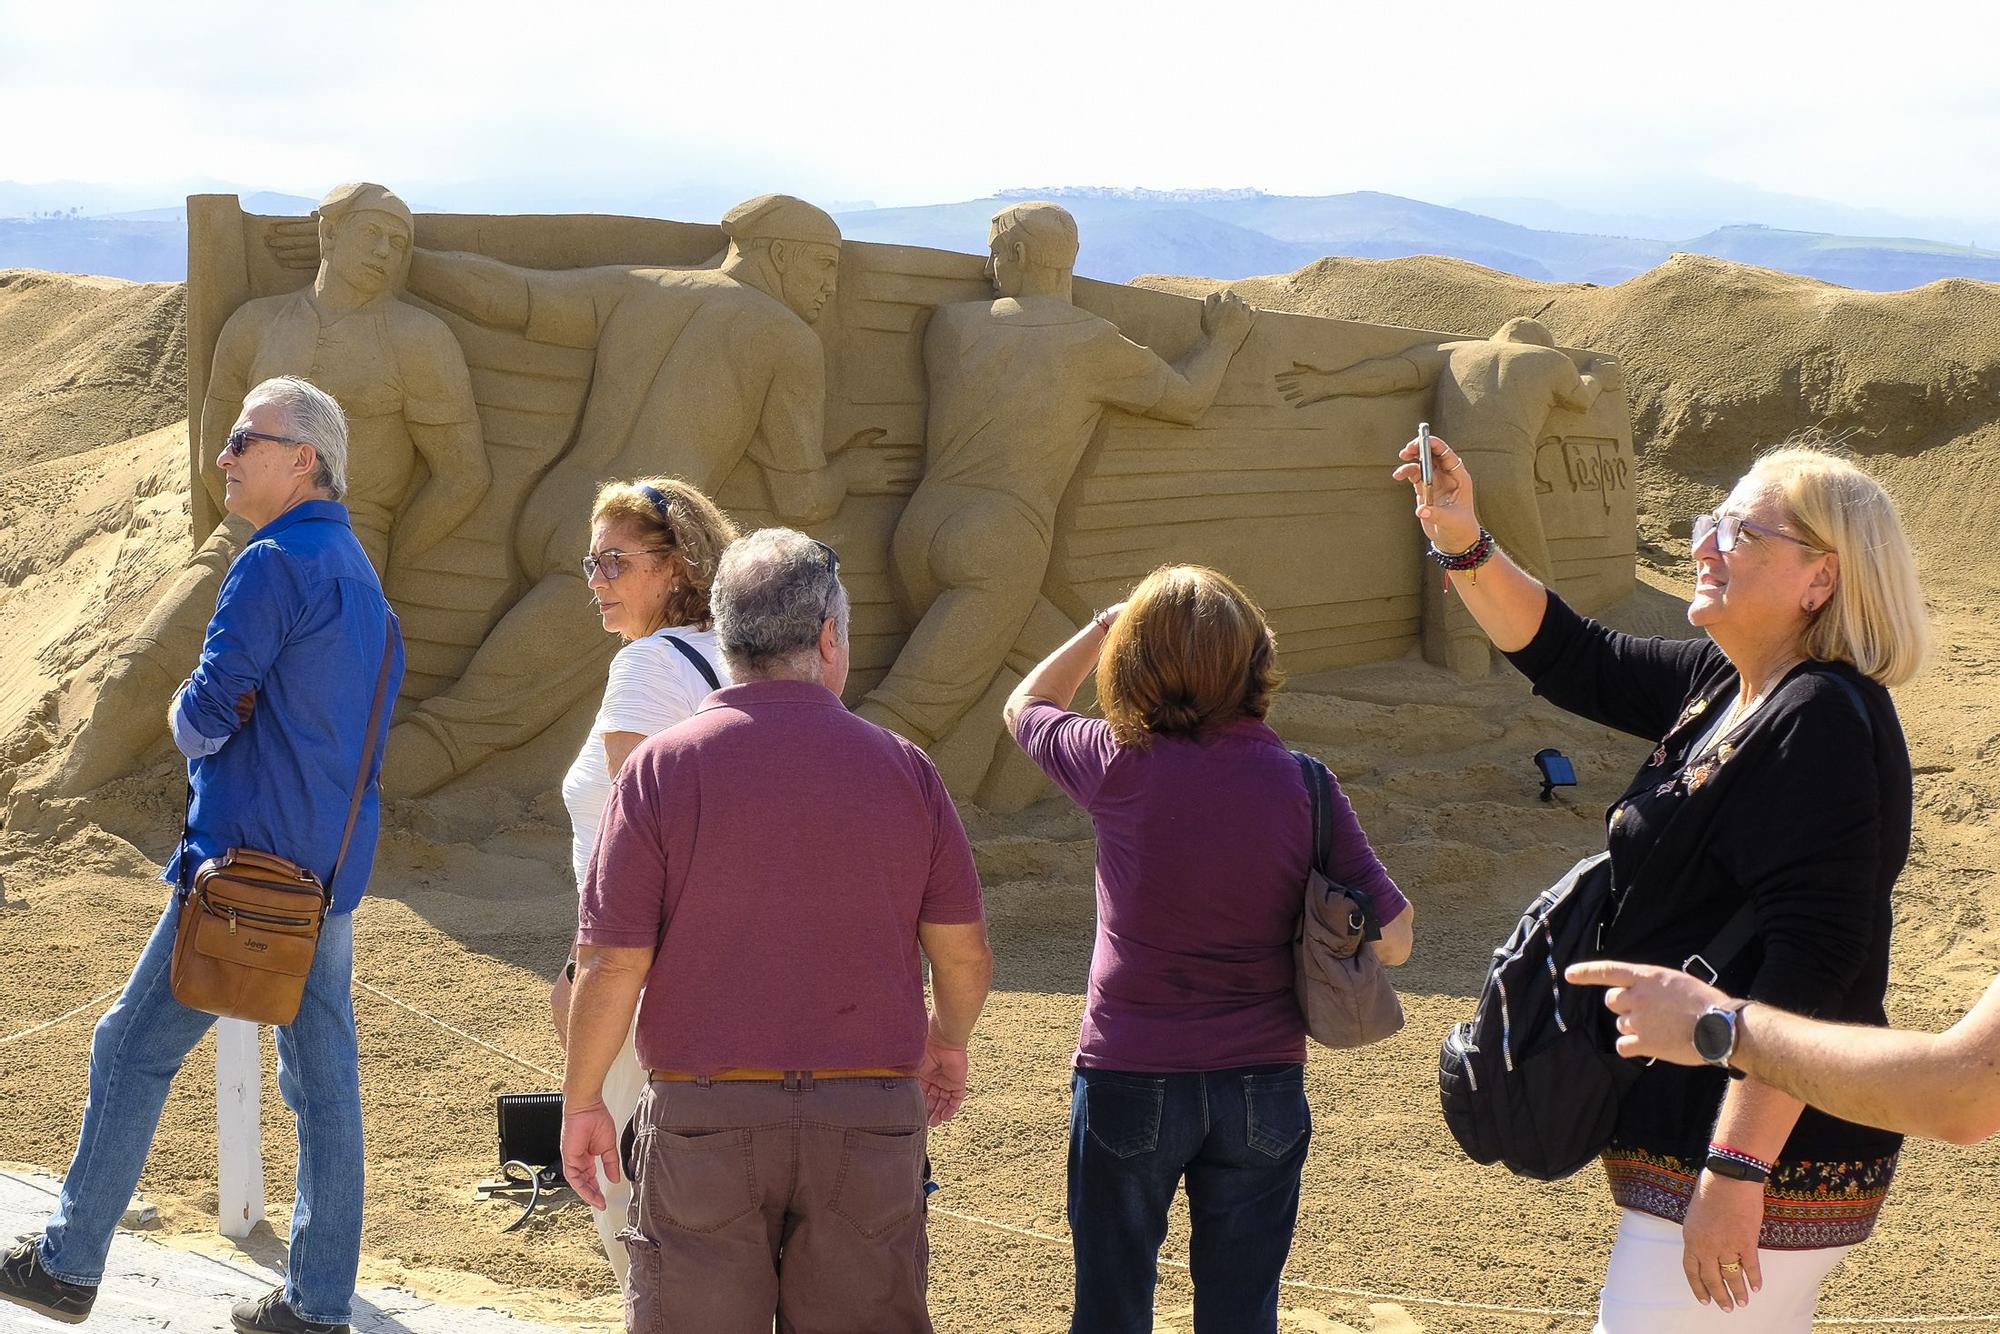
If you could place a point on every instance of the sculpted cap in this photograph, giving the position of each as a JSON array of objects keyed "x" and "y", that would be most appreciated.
[
  {"x": 779, "y": 218},
  {"x": 364, "y": 195}
]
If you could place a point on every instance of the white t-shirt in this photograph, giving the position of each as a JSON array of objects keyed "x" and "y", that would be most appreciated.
[{"x": 652, "y": 687}]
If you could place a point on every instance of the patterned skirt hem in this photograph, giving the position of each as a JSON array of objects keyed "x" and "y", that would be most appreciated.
[{"x": 1807, "y": 1206}]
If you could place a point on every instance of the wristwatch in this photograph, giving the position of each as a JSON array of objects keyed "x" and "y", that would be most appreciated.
[{"x": 1715, "y": 1034}]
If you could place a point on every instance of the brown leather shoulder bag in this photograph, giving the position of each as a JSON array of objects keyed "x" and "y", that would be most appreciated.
[{"x": 250, "y": 921}]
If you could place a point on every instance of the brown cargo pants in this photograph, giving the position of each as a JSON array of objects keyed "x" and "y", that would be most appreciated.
[{"x": 799, "y": 1200}]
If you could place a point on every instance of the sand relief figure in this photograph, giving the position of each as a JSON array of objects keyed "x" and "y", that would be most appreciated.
[
  {"x": 1018, "y": 386},
  {"x": 1490, "y": 397},
  {"x": 696, "y": 370},
  {"x": 1069, "y": 436},
  {"x": 418, "y": 466}
]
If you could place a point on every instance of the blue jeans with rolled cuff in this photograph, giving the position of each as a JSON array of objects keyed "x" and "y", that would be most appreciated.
[
  {"x": 135, "y": 1053},
  {"x": 1239, "y": 1139}
]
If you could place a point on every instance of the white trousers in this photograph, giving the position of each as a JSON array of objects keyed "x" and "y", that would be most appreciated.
[
  {"x": 623, "y": 1083},
  {"x": 1646, "y": 1290}
]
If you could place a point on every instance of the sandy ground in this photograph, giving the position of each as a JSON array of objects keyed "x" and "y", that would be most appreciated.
[{"x": 471, "y": 906}]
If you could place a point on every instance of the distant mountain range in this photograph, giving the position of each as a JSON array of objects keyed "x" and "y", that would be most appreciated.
[{"x": 1210, "y": 233}]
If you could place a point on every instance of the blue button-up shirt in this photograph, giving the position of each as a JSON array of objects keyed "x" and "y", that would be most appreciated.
[{"x": 301, "y": 620}]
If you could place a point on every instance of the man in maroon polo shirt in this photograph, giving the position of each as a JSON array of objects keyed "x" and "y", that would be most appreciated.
[{"x": 766, "y": 874}]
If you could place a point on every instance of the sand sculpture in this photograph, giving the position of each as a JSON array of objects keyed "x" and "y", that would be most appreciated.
[
  {"x": 1491, "y": 398},
  {"x": 1018, "y": 386},
  {"x": 417, "y": 465},
  {"x": 1069, "y": 435}
]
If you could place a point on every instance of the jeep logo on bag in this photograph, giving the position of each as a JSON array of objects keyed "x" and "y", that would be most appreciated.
[{"x": 256, "y": 946}]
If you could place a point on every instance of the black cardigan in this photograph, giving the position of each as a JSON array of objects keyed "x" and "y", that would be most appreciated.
[{"x": 1807, "y": 816}]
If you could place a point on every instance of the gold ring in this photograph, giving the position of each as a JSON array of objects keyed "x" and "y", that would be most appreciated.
[{"x": 1731, "y": 1267}]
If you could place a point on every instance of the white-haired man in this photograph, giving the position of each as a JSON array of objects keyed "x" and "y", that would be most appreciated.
[
  {"x": 769, "y": 872},
  {"x": 274, "y": 722}
]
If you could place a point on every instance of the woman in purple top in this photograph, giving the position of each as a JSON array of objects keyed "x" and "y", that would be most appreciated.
[{"x": 1191, "y": 1060}]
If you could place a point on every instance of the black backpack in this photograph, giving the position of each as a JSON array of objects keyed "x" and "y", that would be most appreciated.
[{"x": 1534, "y": 1079}]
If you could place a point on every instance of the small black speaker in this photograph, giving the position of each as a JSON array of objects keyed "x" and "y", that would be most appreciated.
[{"x": 530, "y": 1128}]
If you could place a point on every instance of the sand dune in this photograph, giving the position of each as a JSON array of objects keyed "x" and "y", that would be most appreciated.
[{"x": 86, "y": 361}]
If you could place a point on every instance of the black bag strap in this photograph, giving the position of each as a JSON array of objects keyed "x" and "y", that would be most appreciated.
[
  {"x": 1314, "y": 774},
  {"x": 693, "y": 655}
]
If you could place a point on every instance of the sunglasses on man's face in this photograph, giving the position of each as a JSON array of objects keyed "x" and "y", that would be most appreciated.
[{"x": 243, "y": 437}]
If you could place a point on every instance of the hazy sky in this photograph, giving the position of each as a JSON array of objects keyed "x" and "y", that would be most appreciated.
[{"x": 900, "y": 102}]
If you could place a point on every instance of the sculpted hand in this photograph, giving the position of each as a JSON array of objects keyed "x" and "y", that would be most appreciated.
[
  {"x": 942, "y": 1073},
  {"x": 1719, "y": 1240},
  {"x": 1224, "y": 317},
  {"x": 894, "y": 471},
  {"x": 1303, "y": 385},
  {"x": 1656, "y": 1007},
  {"x": 589, "y": 1138},
  {"x": 1449, "y": 520},
  {"x": 294, "y": 243}
]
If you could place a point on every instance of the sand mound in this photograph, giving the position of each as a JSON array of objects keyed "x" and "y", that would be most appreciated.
[
  {"x": 1721, "y": 359},
  {"x": 86, "y": 361}
]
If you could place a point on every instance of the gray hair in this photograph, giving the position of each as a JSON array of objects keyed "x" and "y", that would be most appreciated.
[
  {"x": 772, "y": 592},
  {"x": 313, "y": 418}
]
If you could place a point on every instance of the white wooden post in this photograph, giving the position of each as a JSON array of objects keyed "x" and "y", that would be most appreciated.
[{"x": 239, "y": 1142}]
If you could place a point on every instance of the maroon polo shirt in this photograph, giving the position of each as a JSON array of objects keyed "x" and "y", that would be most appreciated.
[{"x": 778, "y": 852}]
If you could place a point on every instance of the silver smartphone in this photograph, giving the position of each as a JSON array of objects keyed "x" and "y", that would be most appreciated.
[{"x": 1424, "y": 464}]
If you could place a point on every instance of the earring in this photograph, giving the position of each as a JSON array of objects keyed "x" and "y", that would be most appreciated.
[{"x": 1811, "y": 607}]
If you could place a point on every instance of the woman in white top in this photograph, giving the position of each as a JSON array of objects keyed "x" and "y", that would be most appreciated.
[{"x": 654, "y": 547}]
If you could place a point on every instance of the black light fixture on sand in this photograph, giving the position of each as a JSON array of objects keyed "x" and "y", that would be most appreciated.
[{"x": 1557, "y": 771}]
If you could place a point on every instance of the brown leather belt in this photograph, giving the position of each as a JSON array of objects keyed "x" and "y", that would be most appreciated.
[{"x": 743, "y": 1075}]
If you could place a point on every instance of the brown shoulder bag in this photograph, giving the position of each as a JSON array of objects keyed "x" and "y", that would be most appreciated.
[
  {"x": 1343, "y": 989},
  {"x": 250, "y": 921}
]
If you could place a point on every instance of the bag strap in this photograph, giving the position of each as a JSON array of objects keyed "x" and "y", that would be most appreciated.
[
  {"x": 693, "y": 655},
  {"x": 368, "y": 749},
  {"x": 1314, "y": 774}
]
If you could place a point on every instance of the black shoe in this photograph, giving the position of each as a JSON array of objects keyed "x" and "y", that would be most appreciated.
[
  {"x": 24, "y": 1282},
  {"x": 272, "y": 1314}
]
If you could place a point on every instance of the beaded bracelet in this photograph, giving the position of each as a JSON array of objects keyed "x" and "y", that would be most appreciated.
[
  {"x": 1471, "y": 558},
  {"x": 1718, "y": 1150}
]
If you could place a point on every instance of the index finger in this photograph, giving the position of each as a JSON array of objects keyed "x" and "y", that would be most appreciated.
[{"x": 1603, "y": 973}]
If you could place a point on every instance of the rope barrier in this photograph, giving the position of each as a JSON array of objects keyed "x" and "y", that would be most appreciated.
[
  {"x": 64, "y": 1017},
  {"x": 1452, "y": 1303},
  {"x": 1049, "y": 1238},
  {"x": 459, "y": 1032}
]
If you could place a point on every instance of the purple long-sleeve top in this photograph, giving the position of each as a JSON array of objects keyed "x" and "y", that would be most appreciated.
[{"x": 1202, "y": 851}]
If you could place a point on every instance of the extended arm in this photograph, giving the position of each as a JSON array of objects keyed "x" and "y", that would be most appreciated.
[
  {"x": 1945, "y": 1086},
  {"x": 485, "y": 291},
  {"x": 1195, "y": 378},
  {"x": 1582, "y": 390},
  {"x": 1303, "y": 385},
  {"x": 1059, "y": 676}
]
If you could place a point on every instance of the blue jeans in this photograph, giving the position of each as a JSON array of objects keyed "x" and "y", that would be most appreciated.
[
  {"x": 1239, "y": 1137},
  {"x": 135, "y": 1053}
]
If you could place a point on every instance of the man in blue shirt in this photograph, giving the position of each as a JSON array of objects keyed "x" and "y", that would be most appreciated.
[{"x": 272, "y": 721}]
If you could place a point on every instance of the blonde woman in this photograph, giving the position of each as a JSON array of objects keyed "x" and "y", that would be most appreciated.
[
  {"x": 1780, "y": 780},
  {"x": 655, "y": 544},
  {"x": 1190, "y": 1065}
]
